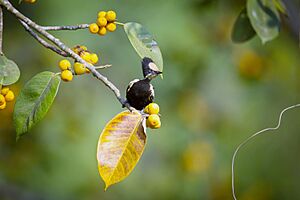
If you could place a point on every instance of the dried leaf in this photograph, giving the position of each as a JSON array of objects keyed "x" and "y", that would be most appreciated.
[{"x": 120, "y": 146}]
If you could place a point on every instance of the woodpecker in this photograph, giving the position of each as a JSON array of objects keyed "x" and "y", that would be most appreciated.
[{"x": 140, "y": 93}]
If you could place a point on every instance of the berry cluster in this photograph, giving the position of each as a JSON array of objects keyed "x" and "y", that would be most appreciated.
[
  {"x": 153, "y": 120},
  {"x": 105, "y": 22},
  {"x": 6, "y": 95},
  {"x": 79, "y": 68},
  {"x": 86, "y": 55}
]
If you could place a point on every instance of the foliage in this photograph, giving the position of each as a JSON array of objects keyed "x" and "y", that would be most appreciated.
[
  {"x": 34, "y": 101},
  {"x": 264, "y": 18},
  {"x": 120, "y": 146},
  {"x": 144, "y": 43}
]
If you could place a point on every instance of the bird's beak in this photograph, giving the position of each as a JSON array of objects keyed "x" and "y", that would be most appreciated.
[{"x": 153, "y": 74}]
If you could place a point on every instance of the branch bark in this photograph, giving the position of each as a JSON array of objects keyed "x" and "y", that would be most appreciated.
[
  {"x": 42, "y": 41},
  {"x": 43, "y": 31},
  {"x": 62, "y": 28}
]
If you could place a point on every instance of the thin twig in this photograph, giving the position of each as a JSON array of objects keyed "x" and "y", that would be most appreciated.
[
  {"x": 250, "y": 138},
  {"x": 61, "y": 28},
  {"x": 102, "y": 67},
  {"x": 119, "y": 23},
  {"x": 1, "y": 30},
  {"x": 42, "y": 41},
  {"x": 66, "y": 49}
]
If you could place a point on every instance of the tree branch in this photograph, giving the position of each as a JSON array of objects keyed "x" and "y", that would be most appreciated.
[
  {"x": 61, "y": 28},
  {"x": 63, "y": 47},
  {"x": 42, "y": 41}
]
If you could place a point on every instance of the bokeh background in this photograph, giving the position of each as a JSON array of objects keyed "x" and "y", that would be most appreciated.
[{"x": 214, "y": 94}]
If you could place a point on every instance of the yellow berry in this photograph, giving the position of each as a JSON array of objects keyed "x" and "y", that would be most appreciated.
[
  {"x": 4, "y": 90},
  {"x": 86, "y": 56},
  {"x": 146, "y": 109},
  {"x": 101, "y": 14},
  {"x": 102, "y": 31},
  {"x": 76, "y": 49},
  {"x": 101, "y": 21},
  {"x": 152, "y": 108},
  {"x": 66, "y": 75},
  {"x": 153, "y": 121},
  {"x": 111, "y": 27},
  {"x": 10, "y": 96},
  {"x": 2, "y": 99},
  {"x": 84, "y": 48},
  {"x": 3, "y": 105},
  {"x": 94, "y": 28},
  {"x": 111, "y": 16},
  {"x": 94, "y": 58},
  {"x": 79, "y": 68},
  {"x": 64, "y": 64}
]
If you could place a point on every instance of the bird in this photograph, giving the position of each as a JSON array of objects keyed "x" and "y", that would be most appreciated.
[{"x": 140, "y": 92}]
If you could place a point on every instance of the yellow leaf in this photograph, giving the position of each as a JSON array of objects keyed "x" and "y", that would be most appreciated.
[{"x": 120, "y": 146}]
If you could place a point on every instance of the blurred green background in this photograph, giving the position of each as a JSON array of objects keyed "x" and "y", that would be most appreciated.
[{"x": 214, "y": 94}]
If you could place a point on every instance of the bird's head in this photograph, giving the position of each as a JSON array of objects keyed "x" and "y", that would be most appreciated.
[{"x": 150, "y": 69}]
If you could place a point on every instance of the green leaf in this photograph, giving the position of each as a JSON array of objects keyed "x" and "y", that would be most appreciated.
[
  {"x": 242, "y": 29},
  {"x": 144, "y": 43},
  {"x": 280, "y": 6},
  {"x": 34, "y": 101},
  {"x": 264, "y": 18},
  {"x": 9, "y": 70}
]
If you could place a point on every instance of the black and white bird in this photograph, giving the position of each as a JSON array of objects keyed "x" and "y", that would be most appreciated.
[{"x": 140, "y": 93}]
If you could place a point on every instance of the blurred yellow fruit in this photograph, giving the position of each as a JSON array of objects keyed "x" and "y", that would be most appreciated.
[
  {"x": 79, "y": 68},
  {"x": 86, "y": 56},
  {"x": 94, "y": 58},
  {"x": 198, "y": 157},
  {"x": 76, "y": 49},
  {"x": 3, "y": 105},
  {"x": 10, "y": 96},
  {"x": 64, "y": 64},
  {"x": 111, "y": 27},
  {"x": 101, "y": 21},
  {"x": 84, "y": 48},
  {"x": 101, "y": 14},
  {"x": 111, "y": 16},
  {"x": 4, "y": 90},
  {"x": 251, "y": 65},
  {"x": 2, "y": 99},
  {"x": 94, "y": 28},
  {"x": 102, "y": 31},
  {"x": 153, "y": 121},
  {"x": 66, "y": 75}
]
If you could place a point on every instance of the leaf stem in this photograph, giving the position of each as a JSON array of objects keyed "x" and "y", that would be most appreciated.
[
  {"x": 120, "y": 23},
  {"x": 102, "y": 66}
]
